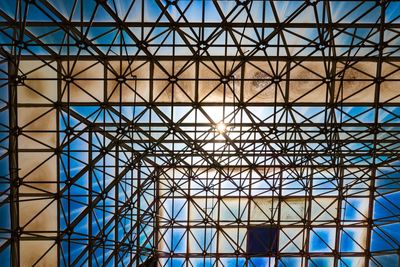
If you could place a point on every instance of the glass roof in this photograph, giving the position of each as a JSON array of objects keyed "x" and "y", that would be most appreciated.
[{"x": 199, "y": 133}]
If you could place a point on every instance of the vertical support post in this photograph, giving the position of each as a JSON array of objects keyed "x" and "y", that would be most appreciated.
[
  {"x": 58, "y": 155},
  {"x": 91, "y": 247},
  {"x": 13, "y": 162},
  {"x": 138, "y": 219},
  {"x": 156, "y": 221},
  {"x": 375, "y": 132},
  {"x": 116, "y": 203}
]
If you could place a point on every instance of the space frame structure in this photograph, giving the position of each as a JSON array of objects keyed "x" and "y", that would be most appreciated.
[{"x": 199, "y": 133}]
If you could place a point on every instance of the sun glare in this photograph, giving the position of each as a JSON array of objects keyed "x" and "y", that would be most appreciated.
[{"x": 221, "y": 127}]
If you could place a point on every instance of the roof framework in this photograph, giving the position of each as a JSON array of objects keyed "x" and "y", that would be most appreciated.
[{"x": 175, "y": 133}]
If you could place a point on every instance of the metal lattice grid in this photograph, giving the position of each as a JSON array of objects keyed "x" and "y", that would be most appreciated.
[{"x": 199, "y": 133}]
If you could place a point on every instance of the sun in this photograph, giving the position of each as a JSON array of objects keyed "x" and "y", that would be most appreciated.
[{"x": 221, "y": 127}]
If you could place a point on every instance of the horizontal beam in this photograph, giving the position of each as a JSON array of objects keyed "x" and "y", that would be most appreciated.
[
  {"x": 181, "y": 24},
  {"x": 214, "y": 58}
]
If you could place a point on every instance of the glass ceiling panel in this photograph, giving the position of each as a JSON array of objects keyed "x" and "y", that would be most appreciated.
[{"x": 199, "y": 133}]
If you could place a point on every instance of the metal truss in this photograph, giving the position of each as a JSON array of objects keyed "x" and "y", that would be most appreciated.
[{"x": 199, "y": 133}]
